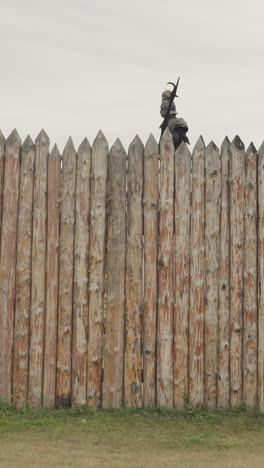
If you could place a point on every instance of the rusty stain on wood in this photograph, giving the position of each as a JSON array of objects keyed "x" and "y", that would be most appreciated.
[
  {"x": 52, "y": 278},
  {"x": 165, "y": 274},
  {"x": 81, "y": 259},
  {"x": 182, "y": 273},
  {"x": 66, "y": 264},
  {"x": 223, "y": 383},
  {"x": 197, "y": 288},
  {"x": 38, "y": 271},
  {"x": 115, "y": 279},
  {"x": 237, "y": 186},
  {"x": 150, "y": 207},
  {"x": 212, "y": 232},
  {"x": 23, "y": 275},
  {"x": 99, "y": 171},
  {"x": 133, "y": 329},
  {"x": 8, "y": 261}
]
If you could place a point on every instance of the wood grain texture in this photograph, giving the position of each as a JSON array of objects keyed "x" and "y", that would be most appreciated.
[
  {"x": 38, "y": 271},
  {"x": 237, "y": 186},
  {"x": 212, "y": 234},
  {"x": 115, "y": 279},
  {"x": 165, "y": 274},
  {"x": 23, "y": 275},
  {"x": 81, "y": 267},
  {"x": 133, "y": 328},
  {"x": 8, "y": 261},
  {"x": 52, "y": 278},
  {"x": 250, "y": 280},
  {"x": 182, "y": 273},
  {"x": 223, "y": 389},
  {"x": 99, "y": 171},
  {"x": 261, "y": 277},
  {"x": 197, "y": 289},
  {"x": 150, "y": 202},
  {"x": 2, "y": 167},
  {"x": 66, "y": 270}
]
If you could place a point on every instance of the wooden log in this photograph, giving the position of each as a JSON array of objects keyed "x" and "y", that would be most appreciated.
[
  {"x": 97, "y": 270},
  {"x": 52, "y": 275},
  {"x": 250, "y": 280},
  {"x": 212, "y": 234},
  {"x": 237, "y": 185},
  {"x": 2, "y": 152},
  {"x": 224, "y": 283},
  {"x": 165, "y": 274},
  {"x": 182, "y": 273},
  {"x": 151, "y": 196},
  {"x": 8, "y": 261},
  {"x": 260, "y": 255},
  {"x": 66, "y": 263},
  {"x": 133, "y": 329},
  {"x": 197, "y": 285},
  {"x": 23, "y": 275},
  {"x": 115, "y": 278},
  {"x": 38, "y": 271},
  {"x": 80, "y": 297}
]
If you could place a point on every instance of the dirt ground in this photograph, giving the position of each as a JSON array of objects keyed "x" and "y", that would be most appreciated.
[{"x": 132, "y": 440}]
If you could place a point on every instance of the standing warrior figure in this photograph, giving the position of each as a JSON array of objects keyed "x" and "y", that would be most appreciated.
[{"x": 177, "y": 126}]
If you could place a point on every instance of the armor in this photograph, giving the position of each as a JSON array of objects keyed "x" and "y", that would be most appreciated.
[{"x": 177, "y": 126}]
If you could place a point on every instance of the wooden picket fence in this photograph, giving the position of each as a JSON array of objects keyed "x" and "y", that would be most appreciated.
[{"x": 131, "y": 279}]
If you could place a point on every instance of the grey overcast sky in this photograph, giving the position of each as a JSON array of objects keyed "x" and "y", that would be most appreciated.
[{"x": 74, "y": 67}]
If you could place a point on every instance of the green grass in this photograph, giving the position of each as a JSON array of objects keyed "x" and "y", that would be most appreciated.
[{"x": 142, "y": 433}]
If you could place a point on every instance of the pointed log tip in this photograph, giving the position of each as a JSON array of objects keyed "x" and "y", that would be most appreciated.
[
  {"x": 28, "y": 143},
  {"x": 166, "y": 134},
  {"x": 43, "y": 137},
  {"x": 136, "y": 142},
  {"x": 2, "y": 138},
  {"x": 55, "y": 152},
  {"x": 226, "y": 142},
  {"x": 212, "y": 146},
  {"x": 151, "y": 146},
  {"x": 69, "y": 147},
  {"x": 251, "y": 149},
  {"x": 200, "y": 143},
  {"x": 261, "y": 149},
  {"x": 13, "y": 137},
  {"x": 238, "y": 143},
  {"x": 183, "y": 150},
  {"x": 84, "y": 146},
  {"x": 100, "y": 136},
  {"x": 117, "y": 146}
]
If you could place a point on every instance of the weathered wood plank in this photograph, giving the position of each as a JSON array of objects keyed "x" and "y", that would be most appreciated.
[
  {"x": 165, "y": 274},
  {"x": 81, "y": 266},
  {"x": 250, "y": 280},
  {"x": 260, "y": 255},
  {"x": 197, "y": 287},
  {"x": 38, "y": 271},
  {"x": 212, "y": 233},
  {"x": 52, "y": 284},
  {"x": 8, "y": 261},
  {"x": 237, "y": 184},
  {"x": 182, "y": 273},
  {"x": 66, "y": 263},
  {"x": 2, "y": 152},
  {"x": 115, "y": 278},
  {"x": 223, "y": 389},
  {"x": 99, "y": 170},
  {"x": 23, "y": 275},
  {"x": 133, "y": 356},
  {"x": 151, "y": 196}
]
